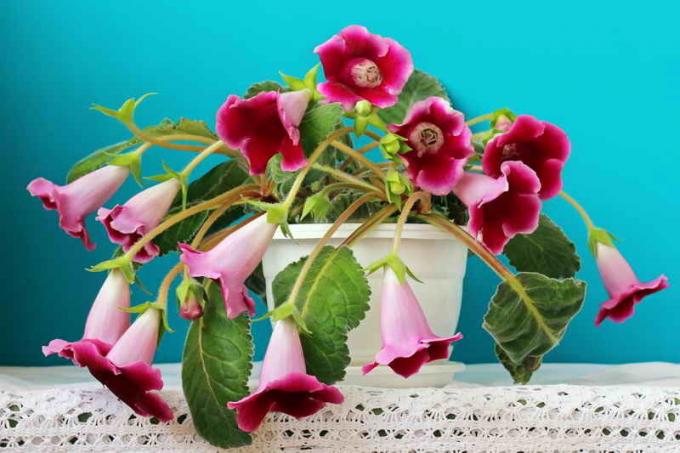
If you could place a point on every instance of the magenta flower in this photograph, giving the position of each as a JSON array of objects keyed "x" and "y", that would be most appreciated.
[
  {"x": 542, "y": 146},
  {"x": 623, "y": 286},
  {"x": 264, "y": 125},
  {"x": 359, "y": 65},
  {"x": 408, "y": 342},
  {"x": 76, "y": 200},
  {"x": 284, "y": 385},
  {"x": 440, "y": 144},
  {"x": 502, "y": 207},
  {"x": 126, "y": 224},
  {"x": 231, "y": 262}
]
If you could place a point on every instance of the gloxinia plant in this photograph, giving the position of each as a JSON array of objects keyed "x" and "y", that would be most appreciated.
[{"x": 376, "y": 142}]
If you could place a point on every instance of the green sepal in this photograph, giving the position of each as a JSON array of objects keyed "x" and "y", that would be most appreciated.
[
  {"x": 133, "y": 162},
  {"x": 126, "y": 112},
  {"x": 400, "y": 269},
  {"x": 396, "y": 185},
  {"x": 172, "y": 174},
  {"x": 599, "y": 236},
  {"x": 306, "y": 83},
  {"x": 392, "y": 145},
  {"x": 190, "y": 287},
  {"x": 122, "y": 263},
  {"x": 287, "y": 310},
  {"x": 502, "y": 115},
  {"x": 318, "y": 205},
  {"x": 277, "y": 214},
  {"x": 141, "y": 308}
]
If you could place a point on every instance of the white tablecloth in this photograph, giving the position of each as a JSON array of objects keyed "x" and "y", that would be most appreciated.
[{"x": 567, "y": 407}]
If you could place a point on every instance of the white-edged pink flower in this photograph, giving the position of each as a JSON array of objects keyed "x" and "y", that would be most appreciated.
[
  {"x": 284, "y": 384},
  {"x": 231, "y": 262},
  {"x": 624, "y": 288},
  {"x": 126, "y": 224},
  {"x": 76, "y": 200},
  {"x": 408, "y": 342}
]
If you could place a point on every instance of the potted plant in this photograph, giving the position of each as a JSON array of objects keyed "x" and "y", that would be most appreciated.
[{"x": 296, "y": 180}]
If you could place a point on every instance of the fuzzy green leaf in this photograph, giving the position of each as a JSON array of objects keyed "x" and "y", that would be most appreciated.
[
  {"x": 261, "y": 87},
  {"x": 216, "y": 364},
  {"x": 333, "y": 300},
  {"x": 527, "y": 324},
  {"x": 547, "y": 251},
  {"x": 418, "y": 87},
  {"x": 319, "y": 121},
  {"x": 219, "y": 179}
]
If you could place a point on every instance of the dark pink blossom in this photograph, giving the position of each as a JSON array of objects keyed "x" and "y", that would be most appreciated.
[
  {"x": 623, "y": 286},
  {"x": 76, "y": 200},
  {"x": 542, "y": 146},
  {"x": 284, "y": 384},
  {"x": 231, "y": 262},
  {"x": 408, "y": 342},
  {"x": 501, "y": 207},
  {"x": 264, "y": 125},
  {"x": 440, "y": 144},
  {"x": 126, "y": 224},
  {"x": 362, "y": 66}
]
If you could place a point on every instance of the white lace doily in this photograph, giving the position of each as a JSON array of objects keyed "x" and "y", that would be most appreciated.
[{"x": 490, "y": 419}]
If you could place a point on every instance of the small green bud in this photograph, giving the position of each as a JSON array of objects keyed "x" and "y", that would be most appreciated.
[{"x": 363, "y": 108}]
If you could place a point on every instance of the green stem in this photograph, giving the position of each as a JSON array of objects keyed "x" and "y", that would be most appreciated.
[
  {"x": 403, "y": 217},
  {"x": 359, "y": 158},
  {"x": 201, "y": 157},
  {"x": 580, "y": 209},
  {"x": 342, "y": 218},
  {"x": 162, "y": 299},
  {"x": 176, "y": 218},
  {"x": 369, "y": 224},
  {"x": 343, "y": 176},
  {"x": 479, "y": 119}
]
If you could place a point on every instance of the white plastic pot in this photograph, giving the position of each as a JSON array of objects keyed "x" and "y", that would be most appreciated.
[{"x": 435, "y": 257}]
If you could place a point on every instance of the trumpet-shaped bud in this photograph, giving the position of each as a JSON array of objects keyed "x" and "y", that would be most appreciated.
[
  {"x": 74, "y": 201},
  {"x": 231, "y": 262},
  {"x": 408, "y": 342},
  {"x": 264, "y": 125},
  {"x": 284, "y": 384},
  {"x": 624, "y": 288},
  {"x": 126, "y": 224},
  {"x": 362, "y": 66}
]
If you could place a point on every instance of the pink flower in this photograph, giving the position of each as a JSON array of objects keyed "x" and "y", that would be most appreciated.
[
  {"x": 76, "y": 200},
  {"x": 502, "y": 207},
  {"x": 126, "y": 224},
  {"x": 190, "y": 309},
  {"x": 440, "y": 144},
  {"x": 264, "y": 125},
  {"x": 542, "y": 146},
  {"x": 231, "y": 262},
  {"x": 408, "y": 343},
  {"x": 623, "y": 286},
  {"x": 359, "y": 65},
  {"x": 284, "y": 385}
]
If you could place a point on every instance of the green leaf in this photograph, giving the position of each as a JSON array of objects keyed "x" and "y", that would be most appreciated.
[
  {"x": 418, "y": 87},
  {"x": 261, "y": 87},
  {"x": 529, "y": 321},
  {"x": 319, "y": 121},
  {"x": 216, "y": 364},
  {"x": 521, "y": 373},
  {"x": 547, "y": 251},
  {"x": 257, "y": 284},
  {"x": 333, "y": 300},
  {"x": 219, "y": 179},
  {"x": 103, "y": 156}
]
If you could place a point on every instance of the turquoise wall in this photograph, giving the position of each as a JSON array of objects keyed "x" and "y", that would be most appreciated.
[{"x": 607, "y": 73}]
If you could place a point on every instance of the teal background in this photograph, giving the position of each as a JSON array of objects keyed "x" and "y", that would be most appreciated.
[{"x": 605, "y": 72}]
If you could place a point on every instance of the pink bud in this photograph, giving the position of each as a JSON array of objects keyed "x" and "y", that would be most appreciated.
[{"x": 191, "y": 308}]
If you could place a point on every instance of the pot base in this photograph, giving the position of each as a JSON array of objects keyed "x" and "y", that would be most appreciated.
[{"x": 437, "y": 374}]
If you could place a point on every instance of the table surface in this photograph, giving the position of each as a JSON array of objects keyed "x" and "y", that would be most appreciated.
[{"x": 567, "y": 407}]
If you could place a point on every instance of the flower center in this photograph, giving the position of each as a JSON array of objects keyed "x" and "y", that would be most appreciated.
[
  {"x": 426, "y": 138},
  {"x": 366, "y": 74},
  {"x": 510, "y": 152}
]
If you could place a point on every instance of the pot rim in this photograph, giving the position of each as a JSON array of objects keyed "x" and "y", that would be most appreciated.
[{"x": 422, "y": 231}]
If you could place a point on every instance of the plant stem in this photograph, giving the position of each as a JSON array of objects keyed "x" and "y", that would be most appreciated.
[
  {"x": 343, "y": 176},
  {"x": 403, "y": 217},
  {"x": 200, "y": 157},
  {"x": 176, "y": 218},
  {"x": 364, "y": 228},
  {"x": 580, "y": 209},
  {"x": 342, "y": 218},
  {"x": 366, "y": 148},
  {"x": 373, "y": 135},
  {"x": 360, "y": 158},
  {"x": 479, "y": 119},
  {"x": 163, "y": 290},
  {"x": 212, "y": 218}
]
